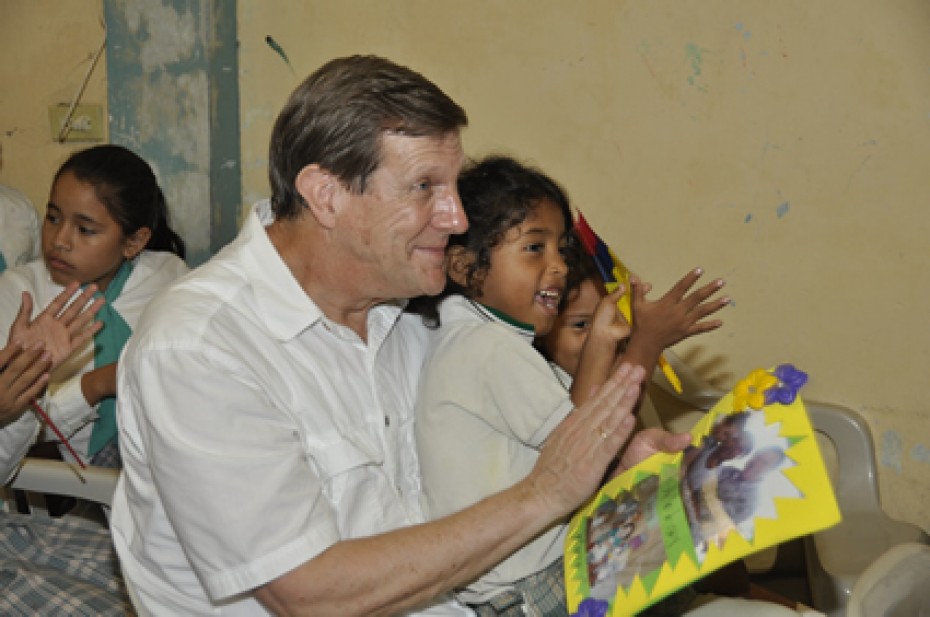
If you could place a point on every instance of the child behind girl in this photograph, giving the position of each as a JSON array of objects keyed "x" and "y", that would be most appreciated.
[
  {"x": 105, "y": 224},
  {"x": 488, "y": 399}
]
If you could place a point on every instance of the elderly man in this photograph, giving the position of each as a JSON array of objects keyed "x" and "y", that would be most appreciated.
[{"x": 266, "y": 400}]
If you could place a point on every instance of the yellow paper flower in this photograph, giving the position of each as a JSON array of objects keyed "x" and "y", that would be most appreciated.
[{"x": 750, "y": 392}]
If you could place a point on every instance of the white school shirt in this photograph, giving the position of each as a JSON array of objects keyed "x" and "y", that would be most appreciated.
[
  {"x": 487, "y": 402},
  {"x": 64, "y": 401},
  {"x": 255, "y": 433}
]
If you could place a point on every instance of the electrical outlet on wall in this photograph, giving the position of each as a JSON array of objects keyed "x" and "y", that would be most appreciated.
[{"x": 86, "y": 123}]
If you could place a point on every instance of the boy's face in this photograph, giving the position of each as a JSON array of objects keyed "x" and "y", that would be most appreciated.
[
  {"x": 572, "y": 326},
  {"x": 526, "y": 278}
]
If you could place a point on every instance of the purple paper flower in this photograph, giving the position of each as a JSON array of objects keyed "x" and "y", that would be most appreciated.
[
  {"x": 790, "y": 381},
  {"x": 591, "y": 607}
]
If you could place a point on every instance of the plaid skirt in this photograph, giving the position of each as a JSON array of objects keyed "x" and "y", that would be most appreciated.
[
  {"x": 538, "y": 595},
  {"x": 62, "y": 566}
]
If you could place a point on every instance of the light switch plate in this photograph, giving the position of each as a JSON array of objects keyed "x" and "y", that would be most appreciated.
[{"x": 86, "y": 123}]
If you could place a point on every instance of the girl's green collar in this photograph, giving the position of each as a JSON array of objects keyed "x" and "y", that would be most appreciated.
[{"x": 509, "y": 320}]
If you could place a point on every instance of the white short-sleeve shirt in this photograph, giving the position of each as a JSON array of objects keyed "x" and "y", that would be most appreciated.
[
  {"x": 486, "y": 404},
  {"x": 255, "y": 433}
]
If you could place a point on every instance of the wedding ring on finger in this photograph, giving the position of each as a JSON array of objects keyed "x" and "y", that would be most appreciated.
[{"x": 602, "y": 433}]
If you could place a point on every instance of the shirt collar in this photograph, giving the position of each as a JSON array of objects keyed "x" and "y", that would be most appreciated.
[
  {"x": 455, "y": 307},
  {"x": 282, "y": 302},
  {"x": 285, "y": 306}
]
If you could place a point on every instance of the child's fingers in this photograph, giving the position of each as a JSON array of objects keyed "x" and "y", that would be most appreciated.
[
  {"x": 615, "y": 295},
  {"x": 61, "y": 300},
  {"x": 9, "y": 352},
  {"x": 608, "y": 319},
  {"x": 33, "y": 370},
  {"x": 701, "y": 295},
  {"x": 684, "y": 284},
  {"x": 80, "y": 312},
  {"x": 21, "y": 322},
  {"x": 701, "y": 327},
  {"x": 78, "y": 339},
  {"x": 638, "y": 290},
  {"x": 24, "y": 375},
  {"x": 706, "y": 309},
  {"x": 78, "y": 323},
  {"x": 608, "y": 304}
]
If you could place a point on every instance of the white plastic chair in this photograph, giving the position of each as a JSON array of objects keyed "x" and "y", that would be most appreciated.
[
  {"x": 838, "y": 556},
  {"x": 897, "y": 584},
  {"x": 38, "y": 477}
]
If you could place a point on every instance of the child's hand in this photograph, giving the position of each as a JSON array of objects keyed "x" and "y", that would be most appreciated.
[
  {"x": 23, "y": 375},
  {"x": 99, "y": 383},
  {"x": 678, "y": 314},
  {"x": 60, "y": 330},
  {"x": 608, "y": 323},
  {"x": 601, "y": 350}
]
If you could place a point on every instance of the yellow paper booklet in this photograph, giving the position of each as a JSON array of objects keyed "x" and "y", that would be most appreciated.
[{"x": 752, "y": 478}]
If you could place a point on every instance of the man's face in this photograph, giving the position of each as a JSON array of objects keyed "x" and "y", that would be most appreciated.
[{"x": 397, "y": 230}]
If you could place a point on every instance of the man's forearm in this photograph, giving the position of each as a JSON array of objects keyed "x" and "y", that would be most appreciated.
[{"x": 410, "y": 567}]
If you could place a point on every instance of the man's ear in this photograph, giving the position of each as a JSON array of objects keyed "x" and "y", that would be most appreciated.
[
  {"x": 135, "y": 242},
  {"x": 318, "y": 187},
  {"x": 458, "y": 261}
]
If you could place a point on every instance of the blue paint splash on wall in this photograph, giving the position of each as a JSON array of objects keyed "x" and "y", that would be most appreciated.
[
  {"x": 693, "y": 54},
  {"x": 748, "y": 218},
  {"x": 891, "y": 450},
  {"x": 783, "y": 209},
  {"x": 920, "y": 453}
]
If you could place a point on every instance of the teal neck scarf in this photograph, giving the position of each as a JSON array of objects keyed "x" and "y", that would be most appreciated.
[{"x": 108, "y": 343}]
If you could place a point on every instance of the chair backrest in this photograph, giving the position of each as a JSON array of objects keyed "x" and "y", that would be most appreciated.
[
  {"x": 41, "y": 476},
  {"x": 855, "y": 474}
]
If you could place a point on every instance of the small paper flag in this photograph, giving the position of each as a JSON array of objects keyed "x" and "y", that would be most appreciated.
[{"x": 614, "y": 273}]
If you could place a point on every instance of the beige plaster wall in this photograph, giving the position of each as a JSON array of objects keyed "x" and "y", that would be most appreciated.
[
  {"x": 783, "y": 146},
  {"x": 48, "y": 46}
]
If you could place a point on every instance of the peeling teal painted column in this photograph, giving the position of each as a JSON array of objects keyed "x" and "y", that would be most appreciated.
[
  {"x": 225, "y": 158},
  {"x": 172, "y": 78}
]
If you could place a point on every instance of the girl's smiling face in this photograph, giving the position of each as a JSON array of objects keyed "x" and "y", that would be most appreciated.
[
  {"x": 80, "y": 239},
  {"x": 526, "y": 278}
]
